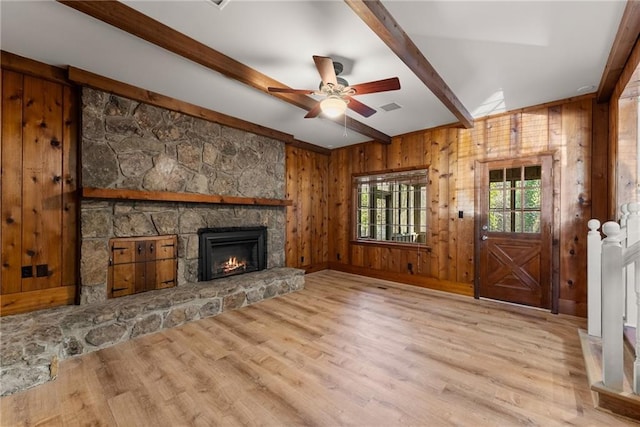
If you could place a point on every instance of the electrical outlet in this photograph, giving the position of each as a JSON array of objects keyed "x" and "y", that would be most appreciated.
[
  {"x": 42, "y": 270},
  {"x": 27, "y": 271}
]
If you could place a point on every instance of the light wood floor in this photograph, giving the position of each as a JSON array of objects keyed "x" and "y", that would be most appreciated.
[{"x": 347, "y": 350}]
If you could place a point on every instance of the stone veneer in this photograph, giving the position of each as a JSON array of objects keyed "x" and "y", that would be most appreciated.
[
  {"x": 132, "y": 145},
  {"x": 32, "y": 343}
]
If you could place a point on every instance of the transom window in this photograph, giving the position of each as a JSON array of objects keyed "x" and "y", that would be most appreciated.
[
  {"x": 391, "y": 207},
  {"x": 515, "y": 199}
]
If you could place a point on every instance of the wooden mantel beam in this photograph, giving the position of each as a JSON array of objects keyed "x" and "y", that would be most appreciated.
[
  {"x": 378, "y": 18},
  {"x": 136, "y": 23}
]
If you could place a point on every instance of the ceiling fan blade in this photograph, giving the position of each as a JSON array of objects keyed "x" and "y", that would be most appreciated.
[
  {"x": 326, "y": 70},
  {"x": 313, "y": 112},
  {"x": 377, "y": 86},
  {"x": 359, "y": 107},
  {"x": 289, "y": 90}
]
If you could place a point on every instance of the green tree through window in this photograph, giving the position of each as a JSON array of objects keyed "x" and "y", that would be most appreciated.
[{"x": 515, "y": 199}]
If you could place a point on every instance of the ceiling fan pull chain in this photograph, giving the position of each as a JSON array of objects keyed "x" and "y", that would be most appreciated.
[{"x": 345, "y": 125}]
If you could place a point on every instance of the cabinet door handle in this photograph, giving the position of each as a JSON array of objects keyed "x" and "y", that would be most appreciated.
[
  {"x": 139, "y": 249},
  {"x": 151, "y": 248}
]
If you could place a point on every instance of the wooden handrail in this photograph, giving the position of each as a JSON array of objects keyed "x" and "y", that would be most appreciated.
[{"x": 167, "y": 196}]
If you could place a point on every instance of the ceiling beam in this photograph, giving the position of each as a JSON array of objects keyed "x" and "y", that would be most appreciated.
[
  {"x": 378, "y": 18},
  {"x": 623, "y": 44},
  {"x": 133, "y": 22}
]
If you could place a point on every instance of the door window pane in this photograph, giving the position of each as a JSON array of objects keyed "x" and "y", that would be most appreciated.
[
  {"x": 496, "y": 221},
  {"x": 516, "y": 222},
  {"x": 532, "y": 198},
  {"x": 515, "y": 199},
  {"x": 532, "y": 222}
]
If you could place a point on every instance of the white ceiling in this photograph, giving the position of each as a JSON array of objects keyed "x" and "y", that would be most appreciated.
[{"x": 494, "y": 55}]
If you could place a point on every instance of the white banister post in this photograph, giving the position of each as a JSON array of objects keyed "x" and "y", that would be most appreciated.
[
  {"x": 624, "y": 210},
  {"x": 633, "y": 304},
  {"x": 633, "y": 236},
  {"x": 636, "y": 362},
  {"x": 594, "y": 283},
  {"x": 612, "y": 300}
]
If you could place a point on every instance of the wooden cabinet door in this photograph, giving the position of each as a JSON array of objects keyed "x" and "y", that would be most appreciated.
[
  {"x": 165, "y": 273},
  {"x": 122, "y": 279},
  {"x": 122, "y": 275},
  {"x": 142, "y": 264},
  {"x": 122, "y": 252},
  {"x": 166, "y": 248}
]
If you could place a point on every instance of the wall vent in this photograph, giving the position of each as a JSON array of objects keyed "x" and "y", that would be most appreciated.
[
  {"x": 220, "y": 4},
  {"x": 390, "y": 107}
]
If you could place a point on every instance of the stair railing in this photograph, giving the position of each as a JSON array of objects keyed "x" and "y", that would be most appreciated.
[{"x": 613, "y": 274}]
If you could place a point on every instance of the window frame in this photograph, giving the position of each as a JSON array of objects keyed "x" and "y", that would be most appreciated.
[{"x": 398, "y": 176}]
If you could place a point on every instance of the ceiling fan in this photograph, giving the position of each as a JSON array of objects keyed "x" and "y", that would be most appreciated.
[{"x": 337, "y": 91}]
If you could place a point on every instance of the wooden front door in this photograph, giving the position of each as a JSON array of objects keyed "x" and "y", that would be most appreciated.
[{"x": 514, "y": 231}]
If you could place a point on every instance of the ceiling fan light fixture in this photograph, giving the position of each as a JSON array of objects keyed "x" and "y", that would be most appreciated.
[{"x": 333, "y": 106}]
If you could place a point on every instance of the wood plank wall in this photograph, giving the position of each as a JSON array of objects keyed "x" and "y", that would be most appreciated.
[
  {"x": 307, "y": 221},
  {"x": 623, "y": 131},
  {"x": 572, "y": 131},
  {"x": 38, "y": 153}
]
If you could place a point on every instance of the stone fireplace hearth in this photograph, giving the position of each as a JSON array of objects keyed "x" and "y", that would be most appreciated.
[{"x": 33, "y": 343}]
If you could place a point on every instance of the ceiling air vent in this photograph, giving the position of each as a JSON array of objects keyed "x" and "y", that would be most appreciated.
[
  {"x": 390, "y": 107},
  {"x": 220, "y": 4}
]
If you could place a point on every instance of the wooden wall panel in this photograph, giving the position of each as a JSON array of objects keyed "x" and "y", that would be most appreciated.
[
  {"x": 305, "y": 208},
  {"x": 600, "y": 161},
  {"x": 340, "y": 205},
  {"x": 291, "y": 244},
  {"x": 307, "y": 244},
  {"x": 465, "y": 197},
  {"x": 441, "y": 200},
  {"x": 533, "y": 135},
  {"x": 554, "y": 133},
  {"x": 11, "y": 192},
  {"x": 575, "y": 202},
  {"x": 452, "y": 185},
  {"x": 619, "y": 123},
  {"x": 562, "y": 129},
  {"x": 39, "y": 192},
  {"x": 320, "y": 252},
  {"x": 70, "y": 206},
  {"x": 628, "y": 184}
]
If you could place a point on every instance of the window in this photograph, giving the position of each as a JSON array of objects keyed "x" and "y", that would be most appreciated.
[
  {"x": 391, "y": 207},
  {"x": 515, "y": 199}
]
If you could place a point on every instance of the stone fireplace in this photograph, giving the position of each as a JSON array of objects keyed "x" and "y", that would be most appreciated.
[
  {"x": 133, "y": 149},
  {"x": 229, "y": 251},
  {"x": 130, "y": 145}
]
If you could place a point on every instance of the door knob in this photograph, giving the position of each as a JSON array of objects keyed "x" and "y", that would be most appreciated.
[{"x": 484, "y": 237}]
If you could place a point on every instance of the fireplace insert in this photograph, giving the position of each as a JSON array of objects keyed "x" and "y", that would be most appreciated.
[{"x": 232, "y": 250}]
